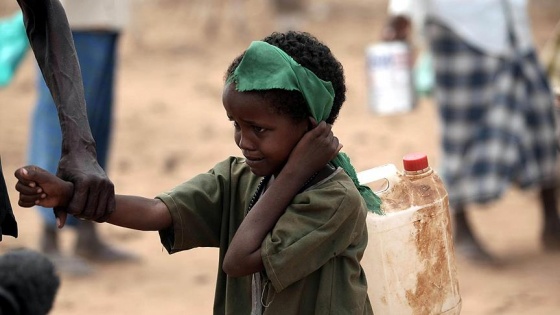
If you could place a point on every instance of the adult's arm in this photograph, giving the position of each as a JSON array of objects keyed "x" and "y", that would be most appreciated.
[{"x": 52, "y": 43}]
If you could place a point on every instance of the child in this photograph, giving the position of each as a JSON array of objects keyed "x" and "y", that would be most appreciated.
[
  {"x": 288, "y": 219},
  {"x": 28, "y": 283}
]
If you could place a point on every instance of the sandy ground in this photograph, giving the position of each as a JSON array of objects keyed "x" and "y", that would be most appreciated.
[{"x": 170, "y": 125}]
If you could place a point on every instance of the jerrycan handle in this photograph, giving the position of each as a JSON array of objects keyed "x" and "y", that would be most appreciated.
[{"x": 388, "y": 172}]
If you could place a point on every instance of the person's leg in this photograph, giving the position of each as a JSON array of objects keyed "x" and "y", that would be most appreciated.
[
  {"x": 463, "y": 92},
  {"x": 466, "y": 243},
  {"x": 551, "y": 221},
  {"x": 97, "y": 56},
  {"x": 91, "y": 247}
]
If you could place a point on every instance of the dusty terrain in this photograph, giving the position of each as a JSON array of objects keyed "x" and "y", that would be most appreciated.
[{"x": 169, "y": 125}]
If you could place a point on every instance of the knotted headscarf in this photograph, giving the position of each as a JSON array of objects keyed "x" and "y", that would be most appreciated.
[{"x": 266, "y": 67}]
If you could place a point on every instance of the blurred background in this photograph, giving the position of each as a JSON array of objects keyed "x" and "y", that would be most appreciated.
[{"x": 169, "y": 125}]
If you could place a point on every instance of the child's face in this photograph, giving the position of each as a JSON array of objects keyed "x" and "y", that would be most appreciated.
[{"x": 265, "y": 138}]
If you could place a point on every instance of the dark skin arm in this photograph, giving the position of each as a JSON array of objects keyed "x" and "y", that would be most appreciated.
[
  {"x": 311, "y": 154},
  {"x": 39, "y": 187},
  {"x": 51, "y": 41}
]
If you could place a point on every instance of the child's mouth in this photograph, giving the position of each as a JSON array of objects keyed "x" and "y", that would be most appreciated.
[{"x": 252, "y": 160}]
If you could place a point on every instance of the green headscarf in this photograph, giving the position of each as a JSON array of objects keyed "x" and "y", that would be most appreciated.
[{"x": 266, "y": 67}]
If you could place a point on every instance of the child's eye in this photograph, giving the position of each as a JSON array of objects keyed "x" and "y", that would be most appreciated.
[
  {"x": 235, "y": 124},
  {"x": 258, "y": 129}
]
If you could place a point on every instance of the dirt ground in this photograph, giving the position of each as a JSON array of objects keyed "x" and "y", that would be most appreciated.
[{"x": 170, "y": 125}]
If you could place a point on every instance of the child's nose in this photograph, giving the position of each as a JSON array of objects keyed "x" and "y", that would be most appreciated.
[{"x": 245, "y": 143}]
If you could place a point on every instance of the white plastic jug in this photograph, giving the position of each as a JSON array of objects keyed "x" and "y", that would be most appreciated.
[
  {"x": 410, "y": 261},
  {"x": 389, "y": 78}
]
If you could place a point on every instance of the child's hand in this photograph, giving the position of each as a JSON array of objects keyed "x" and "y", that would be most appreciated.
[
  {"x": 316, "y": 148},
  {"x": 38, "y": 187}
]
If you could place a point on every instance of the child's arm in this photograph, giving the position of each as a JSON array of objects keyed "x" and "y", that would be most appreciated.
[
  {"x": 310, "y": 155},
  {"x": 39, "y": 187}
]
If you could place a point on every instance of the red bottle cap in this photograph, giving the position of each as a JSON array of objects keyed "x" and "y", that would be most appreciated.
[{"x": 415, "y": 162}]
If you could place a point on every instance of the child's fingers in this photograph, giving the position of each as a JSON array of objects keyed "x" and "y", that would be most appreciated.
[
  {"x": 312, "y": 123},
  {"x": 33, "y": 175},
  {"x": 29, "y": 196},
  {"x": 321, "y": 129},
  {"x": 26, "y": 189},
  {"x": 26, "y": 204},
  {"x": 22, "y": 174},
  {"x": 28, "y": 201},
  {"x": 36, "y": 174},
  {"x": 336, "y": 147}
]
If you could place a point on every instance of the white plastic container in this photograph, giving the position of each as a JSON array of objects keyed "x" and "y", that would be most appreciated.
[
  {"x": 410, "y": 261},
  {"x": 389, "y": 78}
]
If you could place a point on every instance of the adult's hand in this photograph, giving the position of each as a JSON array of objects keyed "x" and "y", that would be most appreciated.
[{"x": 94, "y": 193}]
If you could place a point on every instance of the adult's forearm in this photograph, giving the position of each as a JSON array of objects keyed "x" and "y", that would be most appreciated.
[{"x": 51, "y": 41}]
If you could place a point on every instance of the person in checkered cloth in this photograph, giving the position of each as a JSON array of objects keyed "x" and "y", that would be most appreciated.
[{"x": 495, "y": 105}]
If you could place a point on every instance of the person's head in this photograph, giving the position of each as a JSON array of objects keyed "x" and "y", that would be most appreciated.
[
  {"x": 28, "y": 283},
  {"x": 269, "y": 121}
]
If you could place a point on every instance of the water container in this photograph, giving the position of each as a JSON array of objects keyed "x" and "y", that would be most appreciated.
[
  {"x": 389, "y": 78},
  {"x": 410, "y": 261}
]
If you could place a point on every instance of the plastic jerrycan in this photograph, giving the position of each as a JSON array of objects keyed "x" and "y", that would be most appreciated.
[{"x": 410, "y": 261}]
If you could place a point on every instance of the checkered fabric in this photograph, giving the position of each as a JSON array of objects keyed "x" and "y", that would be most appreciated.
[{"x": 497, "y": 119}]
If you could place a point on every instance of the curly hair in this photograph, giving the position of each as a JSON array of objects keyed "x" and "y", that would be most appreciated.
[
  {"x": 28, "y": 282},
  {"x": 309, "y": 52}
]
